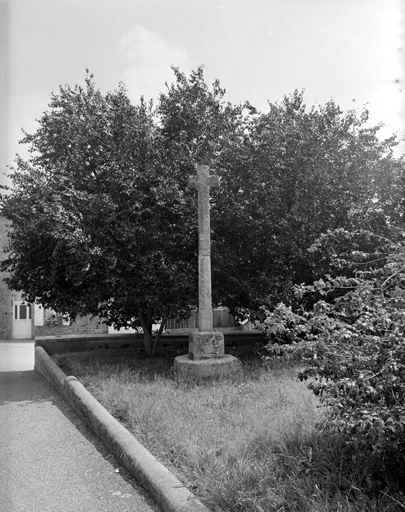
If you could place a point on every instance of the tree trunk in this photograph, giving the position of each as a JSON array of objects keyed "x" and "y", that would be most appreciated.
[
  {"x": 150, "y": 344},
  {"x": 147, "y": 342},
  {"x": 158, "y": 335},
  {"x": 147, "y": 334}
]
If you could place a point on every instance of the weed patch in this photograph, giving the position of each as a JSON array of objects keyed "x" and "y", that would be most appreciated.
[{"x": 248, "y": 443}]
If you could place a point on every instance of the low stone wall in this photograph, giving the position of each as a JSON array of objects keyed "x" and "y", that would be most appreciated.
[
  {"x": 83, "y": 325},
  {"x": 77, "y": 343},
  {"x": 177, "y": 343}
]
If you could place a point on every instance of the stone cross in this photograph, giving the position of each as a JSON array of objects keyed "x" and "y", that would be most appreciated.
[
  {"x": 206, "y": 356},
  {"x": 203, "y": 182}
]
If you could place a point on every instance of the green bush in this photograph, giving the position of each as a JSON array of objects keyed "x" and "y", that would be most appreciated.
[{"x": 352, "y": 343}]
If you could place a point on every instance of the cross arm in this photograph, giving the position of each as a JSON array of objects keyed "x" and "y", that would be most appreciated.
[{"x": 200, "y": 182}]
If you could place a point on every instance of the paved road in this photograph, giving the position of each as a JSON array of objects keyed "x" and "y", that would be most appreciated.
[{"x": 49, "y": 460}]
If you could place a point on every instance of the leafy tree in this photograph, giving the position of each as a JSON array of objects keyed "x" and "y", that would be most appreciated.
[
  {"x": 100, "y": 223},
  {"x": 200, "y": 127},
  {"x": 197, "y": 123},
  {"x": 295, "y": 174},
  {"x": 105, "y": 191}
]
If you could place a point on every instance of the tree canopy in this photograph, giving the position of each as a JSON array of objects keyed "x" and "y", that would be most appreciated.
[
  {"x": 296, "y": 174},
  {"x": 100, "y": 225},
  {"x": 103, "y": 221}
]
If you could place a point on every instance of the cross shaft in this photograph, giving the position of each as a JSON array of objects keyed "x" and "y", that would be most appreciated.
[{"x": 203, "y": 182}]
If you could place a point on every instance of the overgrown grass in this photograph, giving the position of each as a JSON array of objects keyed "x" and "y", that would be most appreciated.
[{"x": 249, "y": 443}]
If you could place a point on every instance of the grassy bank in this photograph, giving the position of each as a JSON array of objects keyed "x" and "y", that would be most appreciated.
[{"x": 246, "y": 444}]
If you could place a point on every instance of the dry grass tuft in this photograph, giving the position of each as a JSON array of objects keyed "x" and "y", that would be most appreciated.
[{"x": 248, "y": 443}]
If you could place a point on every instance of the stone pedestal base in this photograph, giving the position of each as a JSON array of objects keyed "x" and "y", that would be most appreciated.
[
  {"x": 199, "y": 369},
  {"x": 206, "y": 345}
]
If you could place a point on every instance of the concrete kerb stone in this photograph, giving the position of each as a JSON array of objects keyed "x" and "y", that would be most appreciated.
[
  {"x": 49, "y": 369},
  {"x": 161, "y": 484}
]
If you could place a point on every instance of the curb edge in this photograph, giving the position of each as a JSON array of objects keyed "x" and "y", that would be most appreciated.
[{"x": 152, "y": 475}]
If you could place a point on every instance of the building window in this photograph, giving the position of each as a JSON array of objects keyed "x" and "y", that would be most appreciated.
[{"x": 22, "y": 311}]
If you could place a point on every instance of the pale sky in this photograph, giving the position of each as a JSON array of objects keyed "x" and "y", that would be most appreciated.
[{"x": 260, "y": 50}]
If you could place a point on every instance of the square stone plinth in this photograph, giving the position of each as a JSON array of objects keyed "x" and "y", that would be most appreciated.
[{"x": 206, "y": 345}]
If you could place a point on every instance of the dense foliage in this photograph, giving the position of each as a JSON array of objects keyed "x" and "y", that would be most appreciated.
[
  {"x": 287, "y": 176},
  {"x": 104, "y": 223},
  {"x": 353, "y": 342},
  {"x": 297, "y": 173},
  {"x": 100, "y": 225}
]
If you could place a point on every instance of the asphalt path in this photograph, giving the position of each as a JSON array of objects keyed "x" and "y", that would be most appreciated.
[{"x": 50, "y": 461}]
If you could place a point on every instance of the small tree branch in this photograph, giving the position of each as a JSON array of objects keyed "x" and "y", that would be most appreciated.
[{"x": 390, "y": 277}]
